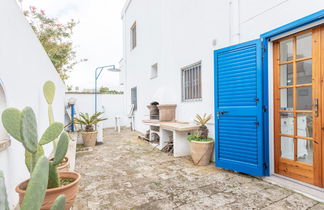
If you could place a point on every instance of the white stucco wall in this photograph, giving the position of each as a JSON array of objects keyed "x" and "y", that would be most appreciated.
[
  {"x": 175, "y": 34},
  {"x": 24, "y": 67},
  {"x": 112, "y": 104}
]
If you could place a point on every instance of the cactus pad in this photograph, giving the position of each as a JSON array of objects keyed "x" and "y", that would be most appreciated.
[
  {"x": 30, "y": 161},
  {"x": 51, "y": 133},
  {"x": 53, "y": 177},
  {"x": 61, "y": 148},
  {"x": 49, "y": 91},
  {"x": 3, "y": 194},
  {"x": 37, "y": 185},
  {"x": 11, "y": 120},
  {"x": 29, "y": 129},
  {"x": 59, "y": 203}
]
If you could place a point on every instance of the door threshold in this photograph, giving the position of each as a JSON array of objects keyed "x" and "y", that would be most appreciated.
[{"x": 308, "y": 190}]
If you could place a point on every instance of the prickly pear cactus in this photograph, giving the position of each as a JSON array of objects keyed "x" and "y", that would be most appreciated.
[
  {"x": 11, "y": 120},
  {"x": 3, "y": 194},
  {"x": 29, "y": 129},
  {"x": 37, "y": 185},
  {"x": 53, "y": 178},
  {"x": 51, "y": 133},
  {"x": 49, "y": 91},
  {"x": 59, "y": 203},
  {"x": 61, "y": 149},
  {"x": 31, "y": 160}
]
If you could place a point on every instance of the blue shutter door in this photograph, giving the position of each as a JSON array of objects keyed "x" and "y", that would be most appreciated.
[{"x": 238, "y": 108}]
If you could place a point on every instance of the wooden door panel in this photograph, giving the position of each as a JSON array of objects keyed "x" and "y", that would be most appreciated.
[{"x": 296, "y": 170}]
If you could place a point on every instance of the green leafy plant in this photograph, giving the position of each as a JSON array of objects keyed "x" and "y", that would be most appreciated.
[
  {"x": 23, "y": 127},
  {"x": 89, "y": 121},
  {"x": 202, "y": 121},
  {"x": 197, "y": 137},
  {"x": 56, "y": 39},
  {"x": 36, "y": 189}
]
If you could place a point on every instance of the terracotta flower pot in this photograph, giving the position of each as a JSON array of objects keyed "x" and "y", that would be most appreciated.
[
  {"x": 201, "y": 152},
  {"x": 70, "y": 191},
  {"x": 89, "y": 138},
  {"x": 64, "y": 165}
]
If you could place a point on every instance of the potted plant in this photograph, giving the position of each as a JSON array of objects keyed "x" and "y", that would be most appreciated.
[
  {"x": 35, "y": 191},
  {"x": 200, "y": 145},
  {"x": 23, "y": 127},
  {"x": 89, "y": 135}
]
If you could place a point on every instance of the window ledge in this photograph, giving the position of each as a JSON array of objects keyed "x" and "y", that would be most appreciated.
[
  {"x": 192, "y": 100},
  {"x": 4, "y": 144}
]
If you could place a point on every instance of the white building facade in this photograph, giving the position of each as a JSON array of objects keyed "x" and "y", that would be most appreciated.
[
  {"x": 25, "y": 67},
  {"x": 169, "y": 58}
]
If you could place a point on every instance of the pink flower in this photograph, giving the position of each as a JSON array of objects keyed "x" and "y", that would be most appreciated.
[
  {"x": 32, "y": 8},
  {"x": 42, "y": 12}
]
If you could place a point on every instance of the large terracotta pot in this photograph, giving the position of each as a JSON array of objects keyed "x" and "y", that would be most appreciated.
[
  {"x": 70, "y": 191},
  {"x": 89, "y": 138},
  {"x": 201, "y": 152},
  {"x": 64, "y": 166}
]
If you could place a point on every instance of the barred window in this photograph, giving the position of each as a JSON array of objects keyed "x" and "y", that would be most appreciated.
[
  {"x": 134, "y": 97},
  {"x": 191, "y": 82}
]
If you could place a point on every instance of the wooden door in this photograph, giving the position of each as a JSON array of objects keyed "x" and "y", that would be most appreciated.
[{"x": 298, "y": 99}]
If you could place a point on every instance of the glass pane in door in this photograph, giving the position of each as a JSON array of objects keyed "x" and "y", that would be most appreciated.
[
  {"x": 286, "y": 99},
  {"x": 287, "y": 148},
  {"x": 286, "y": 74},
  {"x": 304, "y": 98},
  {"x": 286, "y": 50},
  {"x": 305, "y": 124},
  {"x": 304, "y": 45},
  {"x": 287, "y": 123},
  {"x": 304, "y": 72},
  {"x": 305, "y": 151}
]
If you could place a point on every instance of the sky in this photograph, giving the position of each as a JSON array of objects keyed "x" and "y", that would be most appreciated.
[{"x": 98, "y": 36}]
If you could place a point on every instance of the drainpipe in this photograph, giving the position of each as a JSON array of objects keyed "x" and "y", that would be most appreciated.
[{"x": 234, "y": 19}]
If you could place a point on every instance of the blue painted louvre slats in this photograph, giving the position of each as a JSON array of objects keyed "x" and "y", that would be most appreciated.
[{"x": 238, "y": 92}]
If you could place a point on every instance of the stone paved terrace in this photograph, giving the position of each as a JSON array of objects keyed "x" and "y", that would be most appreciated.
[{"x": 128, "y": 173}]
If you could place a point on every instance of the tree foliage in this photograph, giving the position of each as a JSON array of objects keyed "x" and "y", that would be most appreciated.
[
  {"x": 56, "y": 39},
  {"x": 106, "y": 90}
]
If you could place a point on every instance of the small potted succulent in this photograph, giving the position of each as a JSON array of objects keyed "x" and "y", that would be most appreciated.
[
  {"x": 22, "y": 126},
  {"x": 89, "y": 135},
  {"x": 200, "y": 145}
]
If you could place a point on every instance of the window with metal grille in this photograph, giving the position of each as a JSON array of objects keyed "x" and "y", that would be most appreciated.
[
  {"x": 133, "y": 36},
  {"x": 191, "y": 82},
  {"x": 134, "y": 97}
]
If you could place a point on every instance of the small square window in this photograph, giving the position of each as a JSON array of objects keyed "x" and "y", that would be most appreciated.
[
  {"x": 133, "y": 36},
  {"x": 191, "y": 82},
  {"x": 154, "y": 71}
]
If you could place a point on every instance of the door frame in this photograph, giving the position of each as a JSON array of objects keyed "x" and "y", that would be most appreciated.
[{"x": 267, "y": 45}]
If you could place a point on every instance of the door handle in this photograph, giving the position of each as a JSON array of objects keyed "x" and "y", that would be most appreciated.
[
  {"x": 315, "y": 107},
  {"x": 221, "y": 113}
]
